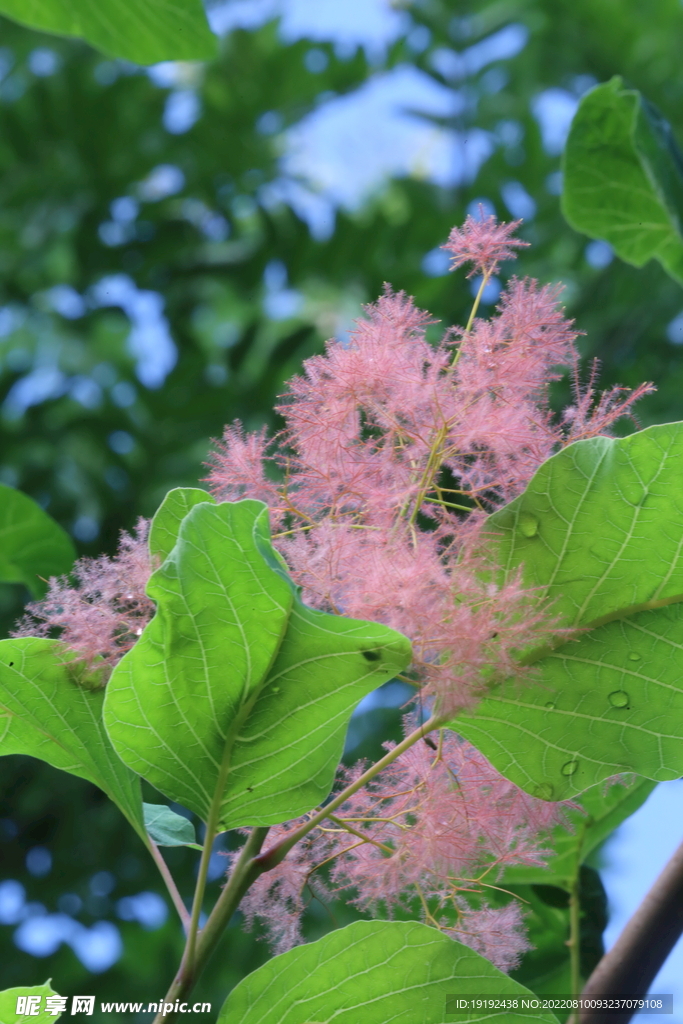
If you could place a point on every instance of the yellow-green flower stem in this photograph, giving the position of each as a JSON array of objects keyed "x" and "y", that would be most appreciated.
[
  {"x": 271, "y": 858},
  {"x": 475, "y": 307}
]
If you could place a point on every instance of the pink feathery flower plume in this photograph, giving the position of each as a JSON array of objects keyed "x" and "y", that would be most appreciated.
[
  {"x": 100, "y": 610},
  {"x": 391, "y": 455},
  {"x": 484, "y": 243},
  {"x": 436, "y": 824}
]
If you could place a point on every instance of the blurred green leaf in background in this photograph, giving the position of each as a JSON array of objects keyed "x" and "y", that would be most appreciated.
[
  {"x": 146, "y": 31},
  {"x": 623, "y": 177}
]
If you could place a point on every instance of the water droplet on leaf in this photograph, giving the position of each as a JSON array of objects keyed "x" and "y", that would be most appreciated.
[
  {"x": 633, "y": 656},
  {"x": 550, "y": 704},
  {"x": 528, "y": 524},
  {"x": 618, "y": 699},
  {"x": 570, "y": 767}
]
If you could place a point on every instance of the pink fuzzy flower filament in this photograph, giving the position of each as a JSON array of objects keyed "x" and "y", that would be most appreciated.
[
  {"x": 484, "y": 243},
  {"x": 435, "y": 827},
  {"x": 390, "y": 457},
  {"x": 101, "y": 610}
]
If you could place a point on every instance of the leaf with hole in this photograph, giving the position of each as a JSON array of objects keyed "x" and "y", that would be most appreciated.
[{"x": 236, "y": 690}]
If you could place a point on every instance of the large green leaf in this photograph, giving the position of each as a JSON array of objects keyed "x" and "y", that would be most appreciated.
[
  {"x": 372, "y": 972},
  {"x": 143, "y": 31},
  {"x": 235, "y": 684},
  {"x": 32, "y": 545},
  {"x": 9, "y": 1001},
  {"x": 600, "y": 528},
  {"x": 623, "y": 177},
  {"x": 46, "y": 713}
]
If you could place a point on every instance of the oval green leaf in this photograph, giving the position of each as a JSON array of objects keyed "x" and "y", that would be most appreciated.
[
  {"x": 608, "y": 551},
  {"x": 374, "y": 972},
  {"x": 33, "y": 546},
  {"x": 168, "y": 828},
  {"x": 235, "y": 687},
  {"x": 144, "y": 31},
  {"x": 623, "y": 177}
]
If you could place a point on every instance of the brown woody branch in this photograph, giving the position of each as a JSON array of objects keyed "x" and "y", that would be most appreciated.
[{"x": 630, "y": 967}]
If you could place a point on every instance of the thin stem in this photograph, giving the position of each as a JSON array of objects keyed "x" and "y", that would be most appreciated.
[
  {"x": 477, "y": 300},
  {"x": 243, "y": 875},
  {"x": 631, "y": 965},
  {"x": 276, "y": 854},
  {"x": 449, "y": 504},
  {"x": 575, "y": 934},
  {"x": 475, "y": 307},
  {"x": 359, "y": 835},
  {"x": 187, "y": 962},
  {"x": 170, "y": 884},
  {"x": 431, "y": 469}
]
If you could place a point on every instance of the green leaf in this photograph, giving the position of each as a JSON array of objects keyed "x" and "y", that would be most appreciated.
[
  {"x": 600, "y": 528},
  {"x": 142, "y": 31},
  {"x": 603, "y": 809},
  {"x": 623, "y": 177},
  {"x": 163, "y": 533},
  {"x": 235, "y": 686},
  {"x": 32, "y": 545},
  {"x": 8, "y": 1004},
  {"x": 374, "y": 972},
  {"x": 168, "y": 828},
  {"x": 46, "y": 713},
  {"x": 286, "y": 756}
]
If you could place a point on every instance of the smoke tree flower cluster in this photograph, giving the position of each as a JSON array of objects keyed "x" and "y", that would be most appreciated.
[
  {"x": 436, "y": 825},
  {"x": 394, "y": 451}
]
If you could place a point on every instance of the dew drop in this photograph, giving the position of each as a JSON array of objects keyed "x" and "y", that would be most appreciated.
[
  {"x": 528, "y": 524},
  {"x": 633, "y": 656},
  {"x": 619, "y": 699},
  {"x": 570, "y": 767},
  {"x": 544, "y": 791},
  {"x": 276, "y": 689},
  {"x": 550, "y": 704}
]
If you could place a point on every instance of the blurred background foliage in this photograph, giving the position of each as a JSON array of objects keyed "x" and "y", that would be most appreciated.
[{"x": 175, "y": 240}]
